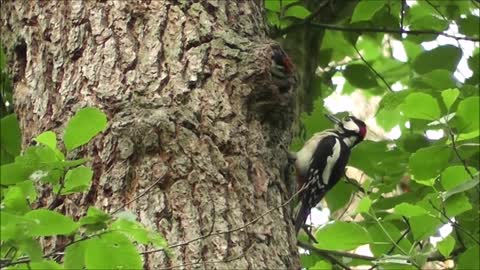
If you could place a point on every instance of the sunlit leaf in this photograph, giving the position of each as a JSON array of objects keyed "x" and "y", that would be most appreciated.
[
  {"x": 429, "y": 109},
  {"x": 365, "y": 10},
  {"x": 83, "y": 126},
  {"x": 111, "y": 250},
  {"x": 341, "y": 236}
]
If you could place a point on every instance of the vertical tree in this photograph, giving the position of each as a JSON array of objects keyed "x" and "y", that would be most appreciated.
[{"x": 196, "y": 136}]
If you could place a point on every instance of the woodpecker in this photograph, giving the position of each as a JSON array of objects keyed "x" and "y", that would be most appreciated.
[
  {"x": 282, "y": 70},
  {"x": 322, "y": 160}
]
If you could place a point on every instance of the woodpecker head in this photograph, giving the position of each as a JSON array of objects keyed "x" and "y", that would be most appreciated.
[{"x": 352, "y": 128}]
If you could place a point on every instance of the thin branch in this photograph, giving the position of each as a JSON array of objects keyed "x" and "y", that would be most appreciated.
[
  {"x": 454, "y": 146},
  {"x": 404, "y": 234},
  {"x": 371, "y": 68},
  {"x": 329, "y": 254},
  {"x": 229, "y": 231},
  {"x": 402, "y": 14},
  {"x": 56, "y": 200},
  {"x": 334, "y": 27},
  {"x": 139, "y": 196},
  {"x": 205, "y": 262},
  {"x": 454, "y": 223}
]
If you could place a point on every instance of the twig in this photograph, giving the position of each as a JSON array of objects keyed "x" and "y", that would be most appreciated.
[
  {"x": 329, "y": 254},
  {"x": 228, "y": 231},
  {"x": 375, "y": 30},
  {"x": 205, "y": 262},
  {"x": 355, "y": 183},
  {"x": 371, "y": 68},
  {"x": 404, "y": 234},
  {"x": 453, "y": 223},
  {"x": 336, "y": 253},
  {"x": 56, "y": 200},
  {"x": 402, "y": 14},
  {"x": 139, "y": 195},
  {"x": 454, "y": 146}
]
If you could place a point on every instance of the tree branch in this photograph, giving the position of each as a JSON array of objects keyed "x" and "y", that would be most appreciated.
[
  {"x": 454, "y": 146},
  {"x": 334, "y": 27},
  {"x": 371, "y": 68}
]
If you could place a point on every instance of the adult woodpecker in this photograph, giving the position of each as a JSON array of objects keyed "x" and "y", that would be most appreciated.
[{"x": 322, "y": 160}]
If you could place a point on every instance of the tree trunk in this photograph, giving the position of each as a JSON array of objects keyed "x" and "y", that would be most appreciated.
[{"x": 187, "y": 90}]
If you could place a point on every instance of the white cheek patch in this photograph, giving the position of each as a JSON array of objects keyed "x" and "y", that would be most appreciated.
[{"x": 351, "y": 126}]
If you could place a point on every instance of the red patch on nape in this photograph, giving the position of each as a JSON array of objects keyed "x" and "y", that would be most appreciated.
[{"x": 363, "y": 131}]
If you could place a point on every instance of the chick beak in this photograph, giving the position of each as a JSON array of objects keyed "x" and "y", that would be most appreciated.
[{"x": 334, "y": 119}]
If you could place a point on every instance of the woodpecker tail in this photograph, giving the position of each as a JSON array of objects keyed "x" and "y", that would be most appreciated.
[{"x": 302, "y": 215}]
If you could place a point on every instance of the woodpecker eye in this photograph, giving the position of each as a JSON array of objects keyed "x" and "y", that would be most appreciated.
[{"x": 346, "y": 119}]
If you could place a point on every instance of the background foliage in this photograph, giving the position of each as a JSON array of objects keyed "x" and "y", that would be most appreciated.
[
  {"x": 439, "y": 177},
  {"x": 421, "y": 93}
]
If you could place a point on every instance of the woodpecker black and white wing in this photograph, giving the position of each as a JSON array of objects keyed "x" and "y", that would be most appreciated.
[{"x": 326, "y": 168}]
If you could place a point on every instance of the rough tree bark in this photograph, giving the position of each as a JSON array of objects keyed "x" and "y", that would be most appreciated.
[{"x": 187, "y": 91}]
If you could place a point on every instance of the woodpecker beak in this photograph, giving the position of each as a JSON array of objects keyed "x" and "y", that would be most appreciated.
[{"x": 334, "y": 119}]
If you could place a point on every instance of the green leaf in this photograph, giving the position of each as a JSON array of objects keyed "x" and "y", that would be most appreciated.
[
  {"x": 78, "y": 179},
  {"x": 424, "y": 226},
  {"x": 468, "y": 115},
  {"x": 339, "y": 196},
  {"x": 28, "y": 189},
  {"x": 272, "y": 5},
  {"x": 137, "y": 232},
  {"x": 429, "y": 109},
  {"x": 297, "y": 12},
  {"x": 364, "y": 205},
  {"x": 469, "y": 259},
  {"x": 14, "y": 201},
  {"x": 428, "y": 162},
  {"x": 449, "y": 96},
  {"x": 31, "y": 247},
  {"x": 13, "y": 173},
  {"x": 95, "y": 219},
  {"x": 457, "y": 204},
  {"x": 83, "y": 126},
  {"x": 443, "y": 57},
  {"x": 365, "y": 10},
  {"x": 360, "y": 76},
  {"x": 381, "y": 242},
  {"x": 437, "y": 79},
  {"x": 388, "y": 119},
  {"x": 111, "y": 250},
  {"x": 41, "y": 265},
  {"x": 410, "y": 210},
  {"x": 10, "y": 135},
  {"x": 13, "y": 226},
  {"x": 321, "y": 265},
  {"x": 341, "y": 236},
  {"x": 446, "y": 246},
  {"x": 49, "y": 223},
  {"x": 48, "y": 138},
  {"x": 454, "y": 176},
  {"x": 461, "y": 188},
  {"x": 75, "y": 256},
  {"x": 392, "y": 100},
  {"x": 469, "y": 25}
]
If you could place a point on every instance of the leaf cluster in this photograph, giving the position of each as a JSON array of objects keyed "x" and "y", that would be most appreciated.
[
  {"x": 414, "y": 184},
  {"x": 96, "y": 241}
]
